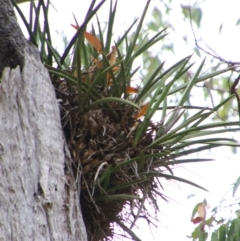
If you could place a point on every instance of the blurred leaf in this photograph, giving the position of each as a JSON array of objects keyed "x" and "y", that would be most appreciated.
[
  {"x": 185, "y": 11},
  {"x": 220, "y": 28},
  {"x": 222, "y": 233},
  {"x": 238, "y": 22},
  {"x": 191, "y": 196},
  {"x": 195, "y": 210},
  {"x": 237, "y": 212},
  {"x": 196, "y": 14},
  {"x": 193, "y": 12},
  {"x": 236, "y": 186}
]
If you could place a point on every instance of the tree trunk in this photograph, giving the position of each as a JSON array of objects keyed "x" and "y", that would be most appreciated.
[{"x": 38, "y": 196}]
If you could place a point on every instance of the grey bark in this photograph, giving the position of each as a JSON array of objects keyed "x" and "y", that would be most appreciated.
[{"x": 38, "y": 200}]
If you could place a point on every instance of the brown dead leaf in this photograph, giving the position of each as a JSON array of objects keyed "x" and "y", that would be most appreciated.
[
  {"x": 95, "y": 42},
  {"x": 113, "y": 56},
  {"x": 74, "y": 26},
  {"x": 142, "y": 111},
  {"x": 132, "y": 90},
  {"x": 201, "y": 218}
]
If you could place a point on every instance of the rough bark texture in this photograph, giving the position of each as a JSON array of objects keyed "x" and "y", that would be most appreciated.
[{"x": 37, "y": 200}]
